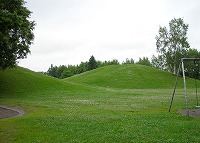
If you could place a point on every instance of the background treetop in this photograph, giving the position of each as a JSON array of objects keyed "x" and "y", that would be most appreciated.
[{"x": 172, "y": 44}]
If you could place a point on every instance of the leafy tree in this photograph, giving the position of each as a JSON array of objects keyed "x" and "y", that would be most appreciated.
[
  {"x": 131, "y": 61},
  {"x": 115, "y": 62},
  {"x": 92, "y": 64},
  {"x": 60, "y": 70},
  {"x": 144, "y": 61},
  {"x": 72, "y": 69},
  {"x": 65, "y": 74},
  {"x": 106, "y": 63},
  {"x": 158, "y": 62},
  {"x": 82, "y": 67},
  {"x": 16, "y": 32},
  {"x": 192, "y": 69},
  {"x": 193, "y": 53},
  {"x": 53, "y": 71},
  {"x": 172, "y": 44}
]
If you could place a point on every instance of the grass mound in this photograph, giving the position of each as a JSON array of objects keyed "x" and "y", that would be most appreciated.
[
  {"x": 20, "y": 81},
  {"x": 131, "y": 76}
]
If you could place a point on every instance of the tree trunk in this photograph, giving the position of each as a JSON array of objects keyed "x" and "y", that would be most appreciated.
[
  {"x": 175, "y": 51},
  {"x": 174, "y": 69}
]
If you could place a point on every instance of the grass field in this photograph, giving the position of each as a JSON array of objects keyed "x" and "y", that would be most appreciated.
[{"x": 126, "y": 103}]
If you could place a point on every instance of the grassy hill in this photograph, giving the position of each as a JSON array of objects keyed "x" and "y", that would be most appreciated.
[
  {"x": 22, "y": 81},
  {"x": 133, "y": 76},
  {"x": 131, "y": 106}
]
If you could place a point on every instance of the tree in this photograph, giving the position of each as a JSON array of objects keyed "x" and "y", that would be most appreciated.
[
  {"x": 16, "y": 32},
  {"x": 131, "y": 61},
  {"x": 115, "y": 62},
  {"x": 53, "y": 71},
  {"x": 144, "y": 61},
  {"x": 82, "y": 67},
  {"x": 192, "y": 68},
  {"x": 65, "y": 74},
  {"x": 60, "y": 70},
  {"x": 172, "y": 45},
  {"x": 157, "y": 62},
  {"x": 106, "y": 63},
  {"x": 92, "y": 64}
]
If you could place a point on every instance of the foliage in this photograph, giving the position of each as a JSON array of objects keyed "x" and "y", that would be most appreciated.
[
  {"x": 92, "y": 64},
  {"x": 52, "y": 71},
  {"x": 131, "y": 61},
  {"x": 16, "y": 32},
  {"x": 158, "y": 62},
  {"x": 107, "y": 63},
  {"x": 192, "y": 68},
  {"x": 172, "y": 44},
  {"x": 82, "y": 67},
  {"x": 144, "y": 61},
  {"x": 61, "y": 71}
]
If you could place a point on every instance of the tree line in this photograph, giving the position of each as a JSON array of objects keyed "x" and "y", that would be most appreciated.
[
  {"x": 64, "y": 71},
  {"x": 192, "y": 68}
]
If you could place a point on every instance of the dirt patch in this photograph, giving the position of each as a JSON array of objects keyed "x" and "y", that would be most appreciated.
[
  {"x": 8, "y": 112},
  {"x": 192, "y": 112}
]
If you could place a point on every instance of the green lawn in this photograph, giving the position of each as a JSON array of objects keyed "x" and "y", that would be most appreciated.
[{"x": 126, "y": 103}]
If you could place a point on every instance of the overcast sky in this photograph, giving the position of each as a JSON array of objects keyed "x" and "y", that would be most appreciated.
[{"x": 70, "y": 31}]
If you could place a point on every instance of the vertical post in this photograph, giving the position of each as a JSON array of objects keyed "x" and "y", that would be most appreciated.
[
  {"x": 196, "y": 93},
  {"x": 196, "y": 70},
  {"x": 186, "y": 99},
  {"x": 175, "y": 86}
]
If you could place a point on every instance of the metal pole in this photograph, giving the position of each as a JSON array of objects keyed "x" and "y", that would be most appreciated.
[
  {"x": 196, "y": 77},
  {"x": 175, "y": 87},
  {"x": 186, "y": 99},
  {"x": 196, "y": 93}
]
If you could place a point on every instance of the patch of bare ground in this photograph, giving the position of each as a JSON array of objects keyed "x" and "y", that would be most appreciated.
[
  {"x": 192, "y": 112},
  {"x": 8, "y": 112}
]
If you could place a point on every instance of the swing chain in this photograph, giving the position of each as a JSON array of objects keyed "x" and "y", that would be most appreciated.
[{"x": 196, "y": 74}]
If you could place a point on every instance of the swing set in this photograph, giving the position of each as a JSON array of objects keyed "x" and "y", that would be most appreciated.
[{"x": 196, "y": 72}]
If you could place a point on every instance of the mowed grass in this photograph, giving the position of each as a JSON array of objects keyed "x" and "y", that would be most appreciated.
[
  {"x": 79, "y": 109},
  {"x": 130, "y": 76}
]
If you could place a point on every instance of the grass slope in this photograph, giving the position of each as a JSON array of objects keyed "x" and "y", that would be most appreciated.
[
  {"x": 24, "y": 80},
  {"x": 78, "y": 110},
  {"x": 131, "y": 76}
]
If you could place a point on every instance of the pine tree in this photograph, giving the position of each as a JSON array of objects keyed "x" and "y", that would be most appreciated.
[{"x": 92, "y": 64}]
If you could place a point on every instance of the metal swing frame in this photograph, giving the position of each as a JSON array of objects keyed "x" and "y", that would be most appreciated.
[{"x": 181, "y": 65}]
